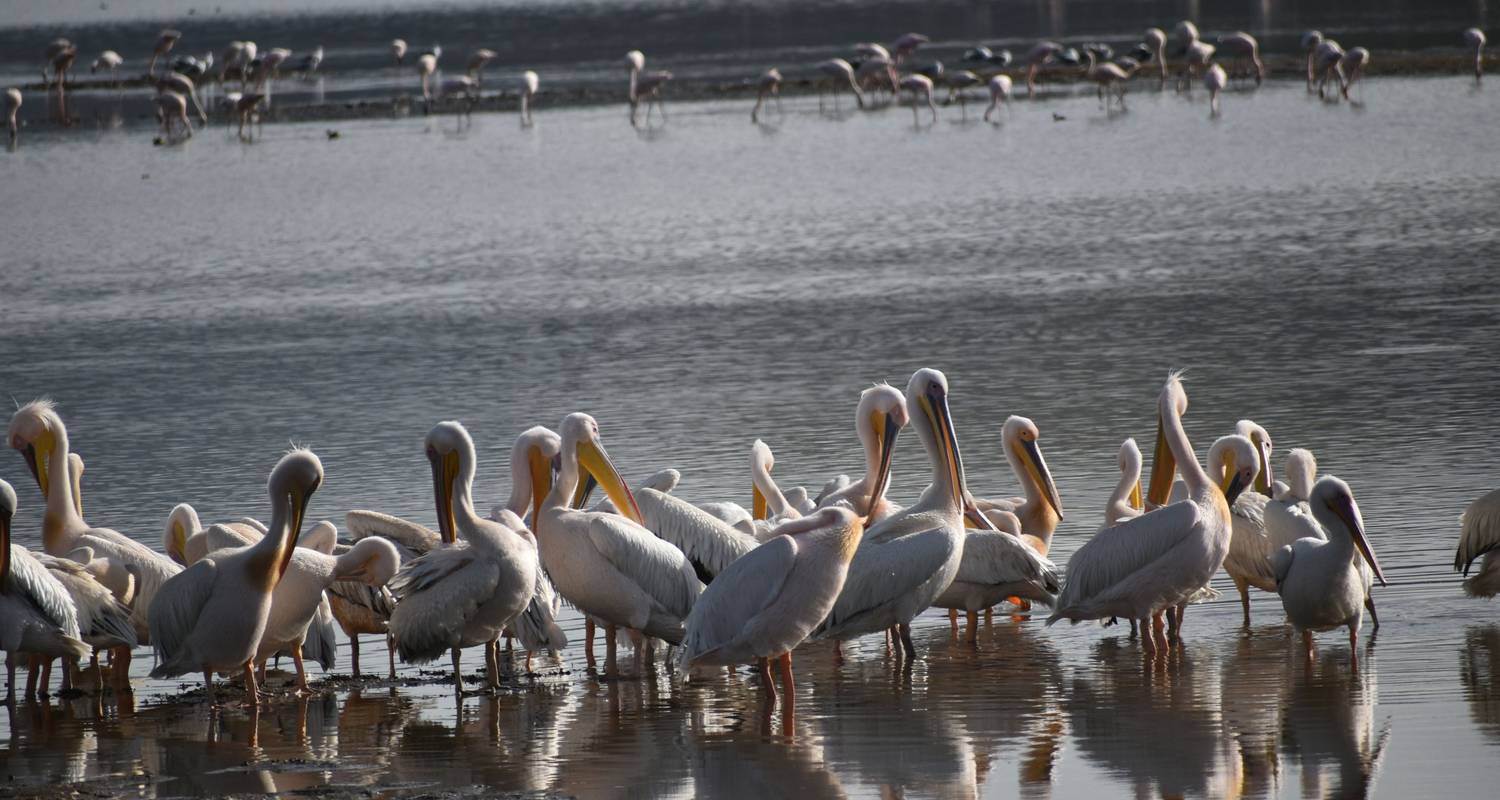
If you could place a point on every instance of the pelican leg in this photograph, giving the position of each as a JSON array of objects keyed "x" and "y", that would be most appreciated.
[
  {"x": 252, "y": 690},
  {"x": 1158, "y": 634},
  {"x": 208, "y": 688},
  {"x": 458, "y": 678},
  {"x": 46, "y": 686},
  {"x": 493, "y": 667},
  {"x": 763, "y": 668},
  {"x": 301, "y": 690},
  {"x": 121, "y": 664},
  {"x": 588, "y": 625},
  {"x": 989, "y": 615},
  {"x": 98, "y": 673},
  {"x": 788, "y": 688},
  {"x": 354, "y": 653},
  {"x": 838, "y": 655},
  {"x": 528, "y": 662},
  {"x": 906, "y": 644},
  {"x": 390, "y": 646},
  {"x": 953, "y": 620},
  {"x": 1307, "y": 644},
  {"x": 973, "y": 620},
  {"x": 1370, "y": 606},
  {"x": 609, "y": 648},
  {"x": 33, "y": 667},
  {"x": 1134, "y": 628},
  {"x": 10, "y": 678},
  {"x": 1244, "y": 589}
]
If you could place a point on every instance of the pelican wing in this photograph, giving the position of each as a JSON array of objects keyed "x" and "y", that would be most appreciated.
[
  {"x": 1481, "y": 531},
  {"x": 174, "y": 613},
  {"x": 218, "y": 537},
  {"x": 413, "y": 539},
  {"x": 709, "y": 543},
  {"x": 1250, "y": 547},
  {"x": 1114, "y": 554},
  {"x": 31, "y": 581},
  {"x": 438, "y": 594},
  {"x": 997, "y": 557},
  {"x": 739, "y": 594},
  {"x": 101, "y": 616},
  {"x": 732, "y": 514},
  {"x": 881, "y": 573},
  {"x": 377, "y": 600},
  {"x": 322, "y": 642},
  {"x": 1281, "y": 563},
  {"x": 661, "y": 570},
  {"x": 424, "y": 572},
  {"x": 1286, "y": 522},
  {"x": 536, "y": 627}
]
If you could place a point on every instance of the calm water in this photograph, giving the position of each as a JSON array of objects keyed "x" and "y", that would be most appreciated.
[{"x": 1320, "y": 269}]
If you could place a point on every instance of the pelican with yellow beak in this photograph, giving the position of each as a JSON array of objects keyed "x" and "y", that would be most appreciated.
[
  {"x": 1041, "y": 509},
  {"x": 907, "y": 560},
  {"x": 769, "y": 506},
  {"x": 878, "y": 419},
  {"x": 1321, "y": 584},
  {"x": 38, "y": 433},
  {"x": 465, "y": 592},
  {"x": 1126, "y": 502},
  {"x": 1162, "y": 558},
  {"x": 37, "y": 617},
  {"x": 610, "y": 566},
  {"x": 211, "y": 616}
]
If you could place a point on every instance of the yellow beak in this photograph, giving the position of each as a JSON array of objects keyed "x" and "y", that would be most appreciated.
[
  {"x": 541, "y": 480},
  {"x": 1135, "y": 496},
  {"x": 938, "y": 418},
  {"x": 592, "y": 457},
  {"x": 1163, "y": 470},
  {"x": 444, "y": 471},
  {"x": 1036, "y": 466},
  {"x": 759, "y": 507}
]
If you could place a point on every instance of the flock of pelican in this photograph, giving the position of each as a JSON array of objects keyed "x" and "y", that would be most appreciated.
[
  {"x": 719, "y": 584},
  {"x": 872, "y": 67}
]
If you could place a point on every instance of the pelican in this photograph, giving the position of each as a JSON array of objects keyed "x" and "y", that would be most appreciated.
[
  {"x": 103, "y": 621},
  {"x": 919, "y": 85},
  {"x": 1351, "y": 67},
  {"x": 37, "y": 617},
  {"x": 12, "y": 107},
  {"x": 1160, "y": 559},
  {"x": 878, "y": 420},
  {"x": 109, "y": 60},
  {"x": 1215, "y": 80},
  {"x": 463, "y": 593},
  {"x": 185, "y": 540},
  {"x": 38, "y": 432},
  {"x": 1474, "y": 38},
  {"x": 609, "y": 566},
  {"x": 1481, "y": 537},
  {"x": 165, "y": 41},
  {"x": 769, "y": 85},
  {"x": 997, "y": 565},
  {"x": 211, "y": 616},
  {"x": 770, "y": 508},
  {"x": 1282, "y": 524},
  {"x": 1126, "y": 502},
  {"x": 1156, "y": 42},
  {"x": 527, "y": 86},
  {"x": 837, "y": 74},
  {"x": 1250, "y": 545},
  {"x": 1320, "y": 586},
  {"x": 1043, "y": 53},
  {"x": 1242, "y": 45},
  {"x": 478, "y": 60},
  {"x": 1041, "y": 509},
  {"x": 906, "y": 44},
  {"x": 766, "y": 603},
  {"x": 645, "y": 85},
  {"x": 906, "y": 561},
  {"x": 1000, "y": 87},
  {"x": 1311, "y": 41}
]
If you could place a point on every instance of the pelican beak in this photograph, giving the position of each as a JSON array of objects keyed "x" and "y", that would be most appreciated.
[
  {"x": 974, "y": 518},
  {"x": 1037, "y": 467},
  {"x": 541, "y": 480},
  {"x": 37, "y": 454},
  {"x": 1235, "y": 486},
  {"x": 935, "y": 405},
  {"x": 585, "y": 488},
  {"x": 299, "y": 500},
  {"x": 758, "y": 504},
  {"x": 1135, "y": 497},
  {"x": 1264, "y": 479},
  {"x": 887, "y": 427},
  {"x": 444, "y": 471},
  {"x": 1163, "y": 468},
  {"x": 1345, "y": 509},
  {"x": 593, "y": 458}
]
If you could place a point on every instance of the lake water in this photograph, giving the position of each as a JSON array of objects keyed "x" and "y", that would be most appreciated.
[{"x": 1326, "y": 270}]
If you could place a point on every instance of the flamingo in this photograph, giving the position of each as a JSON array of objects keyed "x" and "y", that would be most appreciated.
[
  {"x": 171, "y": 109},
  {"x": 460, "y": 86},
  {"x": 1108, "y": 76},
  {"x": 109, "y": 60},
  {"x": 165, "y": 41},
  {"x": 58, "y": 49},
  {"x": 1198, "y": 58},
  {"x": 527, "y": 86},
  {"x": 769, "y": 601},
  {"x": 478, "y": 60},
  {"x": 12, "y": 108},
  {"x": 1156, "y": 42},
  {"x": 1474, "y": 38},
  {"x": 37, "y": 617},
  {"x": 1326, "y": 63},
  {"x": 1351, "y": 67},
  {"x": 1215, "y": 80},
  {"x": 906, "y": 44},
  {"x": 61, "y": 62},
  {"x": 1041, "y": 54},
  {"x": 1242, "y": 45},
  {"x": 426, "y": 67},
  {"x": 1480, "y": 538},
  {"x": 464, "y": 593},
  {"x": 237, "y": 57},
  {"x": 183, "y": 85},
  {"x": 958, "y": 81},
  {"x": 1000, "y": 87},
  {"x": 768, "y": 85},
  {"x": 919, "y": 85},
  {"x": 878, "y": 419},
  {"x": 1320, "y": 584},
  {"x": 1311, "y": 41},
  {"x": 871, "y": 50},
  {"x": 646, "y": 85},
  {"x": 877, "y": 72},
  {"x": 838, "y": 74},
  {"x": 247, "y": 109}
]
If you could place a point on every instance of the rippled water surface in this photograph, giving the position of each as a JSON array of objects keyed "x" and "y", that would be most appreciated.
[{"x": 1324, "y": 270}]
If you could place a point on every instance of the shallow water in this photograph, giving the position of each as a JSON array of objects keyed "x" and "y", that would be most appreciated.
[{"x": 1320, "y": 269}]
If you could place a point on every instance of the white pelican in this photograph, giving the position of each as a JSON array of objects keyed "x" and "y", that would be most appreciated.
[
  {"x": 1126, "y": 502},
  {"x": 1242, "y": 45},
  {"x": 1311, "y": 41},
  {"x": 1321, "y": 588},
  {"x": 463, "y": 593},
  {"x": 1160, "y": 559},
  {"x": 1250, "y": 546},
  {"x": 38, "y": 432},
  {"x": 1156, "y": 42},
  {"x": 1474, "y": 38},
  {"x": 768, "y": 85},
  {"x": 37, "y": 617},
  {"x": 645, "y": 85},
  {"x": 837, "y": 74},
  {"x": 185, "y": 540},
  {"x": 527, "y": 86},
  {"x": 1283, "y": 525},
  {"x": 609, "y": 566},
  {"x": 211, "y": 616},
  {"x": 165, "y": 41},
  {"x": 997, "y": 565},
  {"x": 765, "y": 604},
  {"x": 878, "y": 420},
  {"x": 1041, "y": 509},
  {"x": 769, "y": 507},
  {"x": 104, "y": 622},
  {"x": 1000, "y": 87},
  {"x": 909, "y": 559},
  {"x": 1481, "y": 537}
]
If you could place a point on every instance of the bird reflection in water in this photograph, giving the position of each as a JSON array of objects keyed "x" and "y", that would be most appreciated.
[
  {"x": 1479, "y": 670},
  {"x": 1330, "y": 722}
]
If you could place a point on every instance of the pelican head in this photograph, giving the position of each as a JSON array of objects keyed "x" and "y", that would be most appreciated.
[
  {"x": 1236, "y": 462},
  {"x": 34, "y": 430},
  {"x": 1172, "y": 402},
  {"x": 1262, "y": 441},
  {"x": 1020, "y": 435},
  {"x": 535, "y": 454},
  {"x": 761, "y": 461},
  {"x": 294, "y": 480},
  {"x": 580, "y": 443},
  {"x": 1331, "y": 500},
  {"x": 1301, "y": 471},
  {"x": 927, "y": 401},
  {"x": 1130, "y": 463},
  {"x": 880, "y": 416},
  {"x": 372, "y": 560},
  {"x": 450, "y": 452},
  {"x": 182, "y": 522}
]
